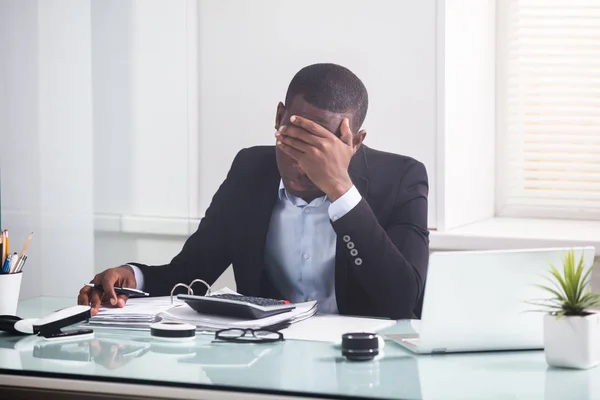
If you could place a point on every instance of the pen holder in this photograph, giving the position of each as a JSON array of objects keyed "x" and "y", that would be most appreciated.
[{"x": 10, "y": 287}]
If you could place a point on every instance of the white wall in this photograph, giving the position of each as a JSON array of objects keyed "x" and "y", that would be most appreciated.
[
  {"x": 47, "y": 131},
  {"x": 145, "y": 128},
  {"x": 250, "y": 50},
  {"x": 18, "y": 130},
  {"x": 467, "y": 95}
]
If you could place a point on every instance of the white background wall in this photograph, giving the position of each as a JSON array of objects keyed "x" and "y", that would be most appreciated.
[
  {"x": 46, "y": 136},
  {"x": 250, "y": 50}
]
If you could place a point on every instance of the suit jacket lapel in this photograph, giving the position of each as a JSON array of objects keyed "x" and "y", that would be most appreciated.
[{"x": 258, "y": 221}]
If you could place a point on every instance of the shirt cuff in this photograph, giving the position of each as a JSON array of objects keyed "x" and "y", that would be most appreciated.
[
  {"x": 344, "y": 204},
  {"x": 139, "y": 277}
]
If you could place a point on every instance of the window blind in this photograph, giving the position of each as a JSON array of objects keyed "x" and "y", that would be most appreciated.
[{"x": 550, "y": 162}]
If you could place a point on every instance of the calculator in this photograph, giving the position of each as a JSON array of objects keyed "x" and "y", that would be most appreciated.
[{"x": 236, "y": 306}]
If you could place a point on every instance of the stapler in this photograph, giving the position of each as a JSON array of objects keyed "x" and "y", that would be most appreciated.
[{"x": 50, "y": 327}]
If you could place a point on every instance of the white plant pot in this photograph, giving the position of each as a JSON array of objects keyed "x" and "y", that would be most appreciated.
[{"x": 572, "y": 342}]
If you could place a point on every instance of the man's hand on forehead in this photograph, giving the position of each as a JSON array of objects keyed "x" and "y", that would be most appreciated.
[{"x": 322, "y": 155}]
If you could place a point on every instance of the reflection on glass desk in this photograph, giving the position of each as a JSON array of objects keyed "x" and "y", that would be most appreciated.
[{"x": 289, "y": 368}]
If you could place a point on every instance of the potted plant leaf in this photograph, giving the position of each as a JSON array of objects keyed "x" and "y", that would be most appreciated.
[{"x": 571, "y": 326}]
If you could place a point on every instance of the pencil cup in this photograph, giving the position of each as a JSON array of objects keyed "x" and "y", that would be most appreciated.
[{"x": 10, "y": 286}]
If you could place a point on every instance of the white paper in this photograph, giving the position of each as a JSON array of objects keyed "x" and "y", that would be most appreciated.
[
  {"x": 330, "y": 328},
  {"x": 135, "y": 310},
  {"x": 139, "y": 313}
]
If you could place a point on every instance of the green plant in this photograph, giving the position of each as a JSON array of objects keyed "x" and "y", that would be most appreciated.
[{"x": 571, "y": 292}]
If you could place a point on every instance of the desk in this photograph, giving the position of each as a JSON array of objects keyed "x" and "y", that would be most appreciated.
[{"x": 130, "y": 363}]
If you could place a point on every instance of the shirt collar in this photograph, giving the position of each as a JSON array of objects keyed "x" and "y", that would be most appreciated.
[{"x": 284, "y": 195}]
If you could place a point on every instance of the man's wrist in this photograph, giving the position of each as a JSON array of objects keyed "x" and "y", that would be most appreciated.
[
  {"x": 339, "y": 189},
  {"x": 138, "y": 276}
]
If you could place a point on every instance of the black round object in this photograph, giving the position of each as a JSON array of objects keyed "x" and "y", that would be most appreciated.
[
  {"x": 172, "y": 330},
  {"x": 360, "y": 346}
]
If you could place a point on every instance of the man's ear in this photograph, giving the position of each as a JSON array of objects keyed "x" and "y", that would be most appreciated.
[
  {"x": 357, "y": 139},
  {"x": 279, "y": 115}
]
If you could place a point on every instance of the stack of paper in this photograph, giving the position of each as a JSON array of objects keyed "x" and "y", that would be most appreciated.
[
  {"x": 138, "y": 313},
  {"x": 184, "y": 313}
]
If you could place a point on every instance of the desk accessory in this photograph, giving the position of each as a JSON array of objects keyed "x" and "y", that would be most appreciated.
[
  {"x": 50, "y": 326},
  {"x": 236, "y": 306},
  {"x": 231, "y": 305},
  {"x": 175, "y": 331},
  {"x": 10, "y": 287},
  {"x": 12, "y": 262},
  {"x": 571, "y": 327},
  {"x": 360, "y": 346}
]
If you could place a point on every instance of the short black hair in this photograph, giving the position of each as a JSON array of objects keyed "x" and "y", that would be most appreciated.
[{"x": 333, "y": 88}]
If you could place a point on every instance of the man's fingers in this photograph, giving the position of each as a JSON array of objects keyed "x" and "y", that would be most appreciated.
[
  {"x": 346, "y": 132},
  {"x": 296, "y": 143},
  {"x": 95, "y": 301},
  {"x": 299, "y": 134},
  {"x": 121, "y": 300},
  {"x": 84, "y": 296},
  {"x": 108, "y": 283},
  {"x": 310, "y": 126},
  {"x": 290, "y": 151}
]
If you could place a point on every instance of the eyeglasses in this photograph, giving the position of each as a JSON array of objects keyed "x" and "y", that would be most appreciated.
[{"x": 248, "y": 335}]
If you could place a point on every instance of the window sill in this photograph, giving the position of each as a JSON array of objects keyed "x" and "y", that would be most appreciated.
[{"x": 515, "y": 233}]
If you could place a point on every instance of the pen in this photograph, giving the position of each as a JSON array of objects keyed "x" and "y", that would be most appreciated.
[
  {"x": 21, "y": 263},
  {"x": 6, "y": 265},
  {"x": 13, "y": 263},
  {"x": 120, "y": 290}
]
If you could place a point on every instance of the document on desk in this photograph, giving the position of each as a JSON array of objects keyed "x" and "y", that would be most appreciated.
[
  {"x": 330, "y": 328},
  {"x": 138, "y": 313}
]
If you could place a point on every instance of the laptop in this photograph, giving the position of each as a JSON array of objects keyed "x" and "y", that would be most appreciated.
[{"x": 477, "y": 300}]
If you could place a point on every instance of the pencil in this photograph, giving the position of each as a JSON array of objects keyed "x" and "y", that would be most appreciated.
[
  {"x": 4, "y": 245},
  {"x": 25, "y": 246}
]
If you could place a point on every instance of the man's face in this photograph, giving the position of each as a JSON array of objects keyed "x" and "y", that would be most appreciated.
[{"x": 294, "y": 179}]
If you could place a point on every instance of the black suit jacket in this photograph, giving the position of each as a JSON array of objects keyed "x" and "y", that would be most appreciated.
[{"x": 388, "y": 228}]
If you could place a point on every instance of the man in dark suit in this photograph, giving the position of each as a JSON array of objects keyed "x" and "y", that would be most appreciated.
[{"x": 317, "y": 216}]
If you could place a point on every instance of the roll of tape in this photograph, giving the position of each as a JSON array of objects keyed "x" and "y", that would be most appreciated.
[{"x": 172, "y": 331}]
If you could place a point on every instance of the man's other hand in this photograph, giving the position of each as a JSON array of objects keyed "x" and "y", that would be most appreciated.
[{"x": 122, "y": 276}]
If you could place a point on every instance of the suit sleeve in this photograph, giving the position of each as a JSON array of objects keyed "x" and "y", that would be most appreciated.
[
  {"x": 205, "y": 254},
  {"x": 391, "y": 263}
]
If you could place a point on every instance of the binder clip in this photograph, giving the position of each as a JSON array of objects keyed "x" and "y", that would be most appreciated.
[{"x": 50, "y": 327}]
